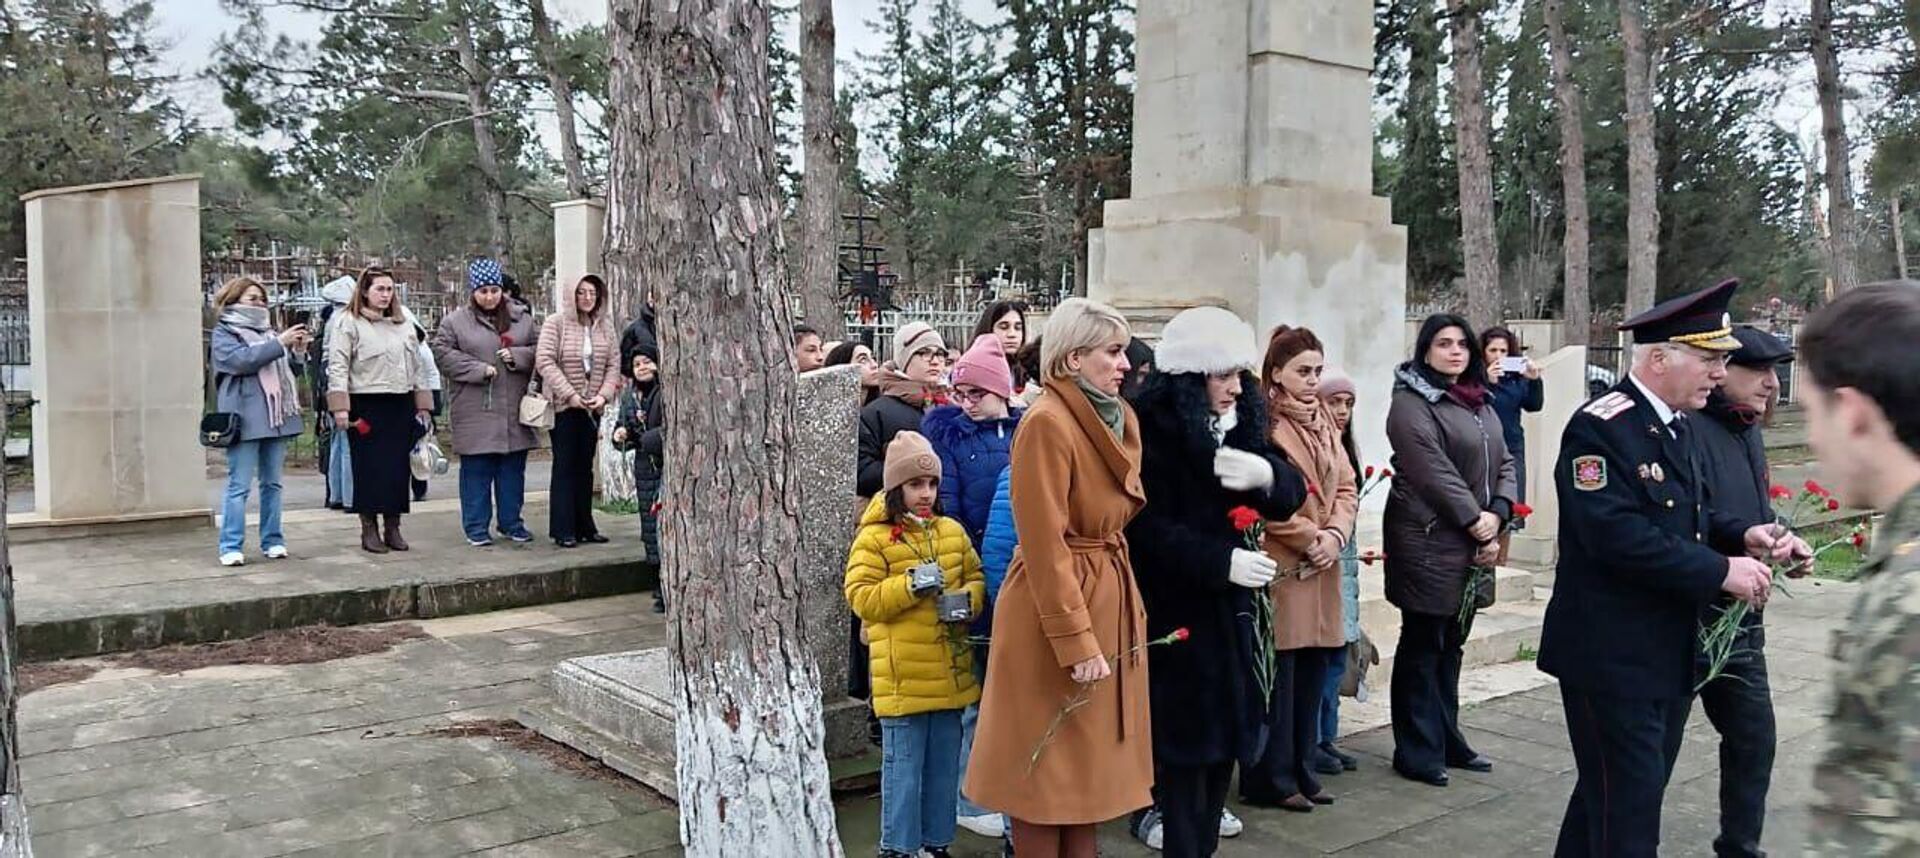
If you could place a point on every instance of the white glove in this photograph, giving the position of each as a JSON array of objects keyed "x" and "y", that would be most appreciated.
[
  {"x": 1241, "y": 471},
  {"x": 1251, "y": 569}
]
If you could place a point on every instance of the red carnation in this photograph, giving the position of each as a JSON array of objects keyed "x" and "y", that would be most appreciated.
[
  {"x": 1832, "y": 504},
  {"x": 1313, "y": 490},
  {"x": 1779, "y": 493},
  {"x": 1181, "y": 634},
  {"x": 1369, "y": 474},
  {"x": 1859, "y": 539},
  {"x": 1521, "y": 510},
  {"x": 1243, "y": 517},
  {"x": 362, "y": 427},
  {"x": 655, "y": 509},
  {"x": 897, "y": 530},
  {"x": 1386, "y": 472},
  {"x": 1814, "y": 488},
  {"x": 506, "y": 341}
]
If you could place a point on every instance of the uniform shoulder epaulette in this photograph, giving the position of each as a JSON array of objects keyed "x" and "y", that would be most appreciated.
[{"x": 1610, "y": 406}]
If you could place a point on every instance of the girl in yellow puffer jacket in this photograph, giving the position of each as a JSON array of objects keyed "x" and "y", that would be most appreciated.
[{"x": 914, "y": 580}]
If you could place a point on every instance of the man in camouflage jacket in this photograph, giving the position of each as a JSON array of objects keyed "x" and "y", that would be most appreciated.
[{"x": 1863, "y": 413}]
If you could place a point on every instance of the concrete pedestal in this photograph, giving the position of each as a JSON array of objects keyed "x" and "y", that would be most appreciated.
[
  {"x": 114, "y": 285},
  {"x": 579, "y": 234},
  {"x": 1252, "y": 182},
  {"x": 619, "y": 707}
]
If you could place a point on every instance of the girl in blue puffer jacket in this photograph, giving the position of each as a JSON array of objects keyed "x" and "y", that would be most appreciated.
[{"x": 973, "y": 440}]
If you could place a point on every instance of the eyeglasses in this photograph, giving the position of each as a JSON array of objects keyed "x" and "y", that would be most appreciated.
[
  {"x": 1711, "y": 359},
  {"x": 931, "y": 352},
  {"x": 969, "y": 395}
]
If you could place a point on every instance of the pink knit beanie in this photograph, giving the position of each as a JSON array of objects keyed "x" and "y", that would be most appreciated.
[{"x": 985, "y": 366}]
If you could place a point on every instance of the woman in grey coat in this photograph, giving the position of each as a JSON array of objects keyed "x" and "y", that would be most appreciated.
[
  {"x": 253, "y": 377},
  {"x": 1452, "y": 494},
  {"x": 485, "y": 353}
]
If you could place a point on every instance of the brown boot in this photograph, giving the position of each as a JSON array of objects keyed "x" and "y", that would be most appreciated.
[
  {"x": 393, "y": 532},
  {"x": 370, "y": 535}
]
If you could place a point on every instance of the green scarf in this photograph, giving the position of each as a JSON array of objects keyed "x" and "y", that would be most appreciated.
[{"x": 1105, "y": 405}]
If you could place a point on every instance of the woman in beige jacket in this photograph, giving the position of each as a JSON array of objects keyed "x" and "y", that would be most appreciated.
[
  {"x": 377, "y": 391},
  {"x": 576, "y": 363},
  {"x": 1308, "y": 627}
]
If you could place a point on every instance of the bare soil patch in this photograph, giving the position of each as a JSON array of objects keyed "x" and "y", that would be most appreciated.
[
  {"x": 522, "y": 738},
  {"x": 304, "y": 645}
]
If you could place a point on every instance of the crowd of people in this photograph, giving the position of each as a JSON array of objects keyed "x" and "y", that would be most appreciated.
[
  {"x": 1092, "y": 578},
  {"x": 1095, "y": 577},
  {"x": 381, "y": 381}
]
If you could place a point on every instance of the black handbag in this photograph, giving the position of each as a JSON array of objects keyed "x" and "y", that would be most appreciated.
[{"x": 219, "y": 429}]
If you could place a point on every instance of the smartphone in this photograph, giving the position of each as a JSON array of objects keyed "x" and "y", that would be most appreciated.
[{"x": 1513, "y": 364}]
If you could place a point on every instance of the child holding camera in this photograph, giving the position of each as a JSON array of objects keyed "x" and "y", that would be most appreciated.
[{"x": 914, "y": 580}]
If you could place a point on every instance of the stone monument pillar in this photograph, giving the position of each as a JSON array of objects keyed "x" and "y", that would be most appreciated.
[
  {"x": 1253, "y": 184},
  {"x": 579, "y": 234},
  {"x": 113, "y": 280},
  {"x": 1563, "y": 376}
]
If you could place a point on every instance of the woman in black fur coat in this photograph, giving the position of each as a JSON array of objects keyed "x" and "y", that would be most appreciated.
[{"x": 1204, "y": 451}]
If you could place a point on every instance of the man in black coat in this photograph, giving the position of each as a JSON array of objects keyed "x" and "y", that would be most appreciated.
[
  {"x": 1641, "y": 555},
  {"x": 1733, "y": 470}
]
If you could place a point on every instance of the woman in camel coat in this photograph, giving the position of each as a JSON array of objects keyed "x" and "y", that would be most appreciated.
[
  {"x": 1069, "y": 624},
  {"x": 1309, "y": 626}
]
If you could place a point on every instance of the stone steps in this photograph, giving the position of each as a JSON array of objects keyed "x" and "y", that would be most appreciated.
[{"x": 1498, "y": 633}]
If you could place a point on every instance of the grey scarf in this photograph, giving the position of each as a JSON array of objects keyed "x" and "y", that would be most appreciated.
[{"x": 1106, "y": 405}]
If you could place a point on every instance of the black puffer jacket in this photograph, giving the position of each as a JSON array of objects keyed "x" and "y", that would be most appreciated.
[
  {"x": 899, "y": 407},
  {"x": 642, "y": 414},
  {"x": 1450, "y": 463},
  {"x": 1206, "y": 705}
]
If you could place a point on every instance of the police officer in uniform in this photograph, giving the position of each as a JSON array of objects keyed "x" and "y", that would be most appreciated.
[
  {"x": 1861, "y": 389},
  {"x": 1733, "y": 470},
  {"x": 1641, "y": 556}
]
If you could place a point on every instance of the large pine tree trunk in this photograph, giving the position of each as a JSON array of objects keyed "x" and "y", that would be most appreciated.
[
  {"x": 1577, "y": 300},
  {"x": 1643, "y": 214},
  {"x": 486, "y": 151},
  {"x": 1473, "y": 132},
  {"x": 820, "y": 199},
  {"x": 1842, "y": 243},
  {"x": 694, "y": 151},
  {"x": 562, "y": 90},
  {"x": 15, "y": 840}
]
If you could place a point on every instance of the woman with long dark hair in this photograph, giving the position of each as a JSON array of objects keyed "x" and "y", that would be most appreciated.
[
  {"x": 1512, "y": 394},
  {"x": 1204, "y": 451},
  {"x": 1452, "y": 494},
  {"x": 858, "y": 354},
  {"x": 1007, "y": 322},
  {"x": 1308, "y": 628},
  {"x": 377, "y": 392},
  {"x": 576, "y": 361}
]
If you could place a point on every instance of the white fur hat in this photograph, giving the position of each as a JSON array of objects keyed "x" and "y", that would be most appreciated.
[{"x": 1206, "y": 340}]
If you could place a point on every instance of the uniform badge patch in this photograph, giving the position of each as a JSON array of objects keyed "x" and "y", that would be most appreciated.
[{"x": 1589, "y": 473}]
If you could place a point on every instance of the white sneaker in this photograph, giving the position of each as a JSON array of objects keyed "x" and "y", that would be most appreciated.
[
  {"x": 989, "y": 825},
  {"x": 276, "y": 552},
  {"x": 1230, "y": 825},
  {"x": 233, "y": 558},
  {"x": 1150, "y": 830}
]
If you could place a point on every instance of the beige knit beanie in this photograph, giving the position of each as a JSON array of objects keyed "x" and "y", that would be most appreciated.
[{"x": 908, "y": 456}]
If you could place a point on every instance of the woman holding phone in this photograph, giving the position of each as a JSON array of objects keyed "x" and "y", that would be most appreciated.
[{"x": 1513, "y": 387}]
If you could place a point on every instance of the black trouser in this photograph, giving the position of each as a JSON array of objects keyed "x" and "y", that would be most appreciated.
[
  {"x": 1625, "y": 749},
  {"x": 575, "y": 434},
  {"x": 1426, "y": 694},
  {"x": 1190, "y": 799},
  {"x": 1293, "y": 729},
  {"x": 1740, "y": 705}
]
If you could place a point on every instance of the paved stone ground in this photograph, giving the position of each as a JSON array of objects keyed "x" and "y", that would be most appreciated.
[
  {"x": 72, "y": 580},
  {"x": 331, "y": 759}
]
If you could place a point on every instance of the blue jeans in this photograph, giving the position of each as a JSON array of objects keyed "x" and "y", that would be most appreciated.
[
  {"x": 246, "y": 461},
  {"x": 919, "y": 780},
  {"x": 969, "y": 718},
  {"x": 488, "y": 480},
  {"x": 1330, "y": 699}
]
